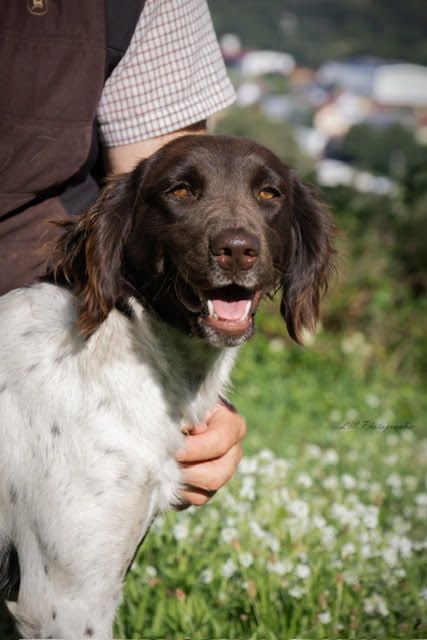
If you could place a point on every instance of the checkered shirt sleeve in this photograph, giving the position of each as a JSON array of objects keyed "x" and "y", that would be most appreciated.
[{"x": 171, "y": 76}]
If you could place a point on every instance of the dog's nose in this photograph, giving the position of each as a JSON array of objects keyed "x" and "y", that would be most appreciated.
[{"x": 235, "y": 249}]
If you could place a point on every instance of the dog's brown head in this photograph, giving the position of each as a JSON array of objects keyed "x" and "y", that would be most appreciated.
[{"x": 199, "y": 232}]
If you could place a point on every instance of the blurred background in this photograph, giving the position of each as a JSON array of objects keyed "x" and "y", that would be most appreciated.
[
  {"x": 339, "y": 90},
  {"x": 322, "y": 532}
]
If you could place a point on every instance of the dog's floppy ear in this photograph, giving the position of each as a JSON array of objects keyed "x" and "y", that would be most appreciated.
[
  {"x": 307, "y": 275},
  {"x": 88, "y": 253}
]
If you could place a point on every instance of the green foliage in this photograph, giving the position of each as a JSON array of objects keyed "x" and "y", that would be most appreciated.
[
  {"x": 318, "y": 30},
  {"x": 389, "y": 150},
  {"x": 321, "y": 535},
  {"x": 326, "y": 543},
  {"x": 277, "y": 136}
]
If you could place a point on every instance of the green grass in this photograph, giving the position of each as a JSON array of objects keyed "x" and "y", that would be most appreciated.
[{"x": 320, "y": 534}]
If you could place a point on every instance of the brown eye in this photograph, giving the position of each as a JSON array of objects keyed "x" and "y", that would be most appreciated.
[
  {"x": 268, "y": 193},
  {"x": 180, "y": 192}
]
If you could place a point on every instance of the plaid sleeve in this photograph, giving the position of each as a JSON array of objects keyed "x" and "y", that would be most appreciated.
[{"x": 171, "y": 76}]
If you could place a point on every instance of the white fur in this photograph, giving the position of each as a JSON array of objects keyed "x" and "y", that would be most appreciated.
[{"x": 88, "y": 433}]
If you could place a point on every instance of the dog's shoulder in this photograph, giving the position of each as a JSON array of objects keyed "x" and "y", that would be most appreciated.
[{"x": 33, "y": 322}]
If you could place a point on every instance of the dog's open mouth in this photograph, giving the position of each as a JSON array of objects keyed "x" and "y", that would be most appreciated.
[{"x": 230, "y": 309}]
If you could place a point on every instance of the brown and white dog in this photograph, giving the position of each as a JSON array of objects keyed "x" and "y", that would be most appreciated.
[{"x": 101, "y": 369}]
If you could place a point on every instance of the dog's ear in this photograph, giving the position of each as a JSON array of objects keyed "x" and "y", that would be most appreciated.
[
  {"x": 89, "y": 252},
  {"x": 308, "y": 272}
]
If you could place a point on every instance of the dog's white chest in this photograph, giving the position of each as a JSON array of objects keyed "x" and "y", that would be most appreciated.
[{"x": 107, "y": 411}]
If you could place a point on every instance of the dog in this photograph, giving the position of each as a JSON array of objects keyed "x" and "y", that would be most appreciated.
[{"x": 151, "y": 294}]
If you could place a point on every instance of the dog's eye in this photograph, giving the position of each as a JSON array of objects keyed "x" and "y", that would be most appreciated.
[
  {"x": 268, "y": 193},
  {"x": 180, "y": 191}
]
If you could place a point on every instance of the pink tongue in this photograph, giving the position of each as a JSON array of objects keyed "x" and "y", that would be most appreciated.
[{"x": 229, "y": 310}]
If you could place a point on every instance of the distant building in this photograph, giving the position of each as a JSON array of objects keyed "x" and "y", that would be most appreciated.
[
  {"x": 400, "y": 85},
  {"x": 334, "y": 173},
  {"x": 336, "y": 117},
  {"x": 258, "y": 63},
  {"x": 355, "y": 74}
]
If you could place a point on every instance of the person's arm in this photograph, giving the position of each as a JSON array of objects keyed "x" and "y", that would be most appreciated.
[
  {"x": 212, "y": 453},
  {"x": 124, "y": 158}
]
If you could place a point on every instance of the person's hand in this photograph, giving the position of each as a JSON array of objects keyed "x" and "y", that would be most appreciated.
[{"x": 211, "y": 455}]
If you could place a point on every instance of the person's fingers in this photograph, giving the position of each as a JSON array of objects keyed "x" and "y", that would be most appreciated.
[
  {"x": 193, "y": 497},
  {"x": 211, "y": 475},
  {"x": 225, "y": 428},
  {"x": 195, "y": 430}
]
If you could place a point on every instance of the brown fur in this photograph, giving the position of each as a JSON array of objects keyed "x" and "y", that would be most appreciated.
[{"x": 138, "y": 240}]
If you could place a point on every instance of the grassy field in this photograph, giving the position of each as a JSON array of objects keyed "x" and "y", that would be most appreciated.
[{"x": 321, "y": 533}]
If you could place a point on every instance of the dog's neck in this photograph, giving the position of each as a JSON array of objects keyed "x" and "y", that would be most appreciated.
[{"x": 191, "y": 373}]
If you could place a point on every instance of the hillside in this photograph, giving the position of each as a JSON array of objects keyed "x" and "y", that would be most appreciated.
[{"x": 317, "y": 30}]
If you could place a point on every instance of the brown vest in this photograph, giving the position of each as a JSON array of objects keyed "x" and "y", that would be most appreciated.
[{"x": 53, "y": 64}]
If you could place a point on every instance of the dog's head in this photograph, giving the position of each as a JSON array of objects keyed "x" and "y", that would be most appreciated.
[{"x": 200, "y": 232}]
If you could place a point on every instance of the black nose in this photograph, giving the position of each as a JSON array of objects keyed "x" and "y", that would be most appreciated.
[{"x": 235, "y": 249}]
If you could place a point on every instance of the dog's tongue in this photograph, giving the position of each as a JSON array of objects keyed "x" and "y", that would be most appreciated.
[{"x": 234, "y": 310}]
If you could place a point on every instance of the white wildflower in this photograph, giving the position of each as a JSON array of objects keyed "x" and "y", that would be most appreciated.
[
  {"x": 266, "y": 455},
  {"x": 421, "y": 500},
  {"x": 257, "y": 530},
  {"x": 391, "y": 459},
  {"x": 304, "y": 480},
  {"x": 296, "y": 592},
  {"x": 372, "y": 400},
  {"x": 150, "y": 572},
  {"x": 423, "y": 593},
  {"x": 247, "y": 490},
  {"x": 248, "y": 465},
  {"x": 376, "y": 604},
  {"x": 181, "y": 530},
  {"x": 341, "y": 513},
  {"x": 329, "y": 535},
  {"x": 349, "y": 578},
  {"x": 272, "y": 542},
  {"x": 228, "y": 534},
  {"x": 348, "y": 481},
  {"x": 319, "y": 522},
  {"x": 324, "y": 617},
  {"x": 313, "y": 451},
  {"x": 331, "y": 483},
  {"x": 206, "y": 576},
  {"x": 198, "y": 530},
  {"x": 390, "y": 556},
  {"x": 366, "y": 551},
  {"x": 302, "y": 571},
  {"x": 402, "y": 545},
  {"x": 246, "y": 559},
  {"x": 276, "y": 345},
  {"x": 280, "y": 568},
  {"x": 348, "y": 550},
  {"x": 330, "y": 456},
  {"x": 277, "y": 468},
  {"x": 228, "y": 569},
  {"x": 355, "y": 343},
  {"x": 299, "y": 509},
  {"x": 352, "y": 414},
  {"x": 370, "y": 517},
  {"x": 394, "y": 481}
]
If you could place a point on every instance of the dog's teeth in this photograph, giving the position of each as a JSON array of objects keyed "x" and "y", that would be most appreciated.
[
  {"x": 247, "y": 309},
  {"x": 211, "y": 309}
]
